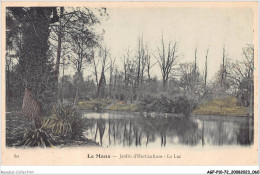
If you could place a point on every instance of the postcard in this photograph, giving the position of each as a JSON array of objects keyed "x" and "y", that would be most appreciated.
[{"x": 129, "y": 83}]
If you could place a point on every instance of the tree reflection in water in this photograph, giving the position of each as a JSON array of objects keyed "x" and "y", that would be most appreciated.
[{"x": 128, "y": 130}]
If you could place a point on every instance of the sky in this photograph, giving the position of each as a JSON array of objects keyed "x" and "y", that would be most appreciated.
[{"x": 191, "y": 27}]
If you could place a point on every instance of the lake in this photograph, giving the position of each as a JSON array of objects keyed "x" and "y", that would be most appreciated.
[{"x": 121, "y": 129}]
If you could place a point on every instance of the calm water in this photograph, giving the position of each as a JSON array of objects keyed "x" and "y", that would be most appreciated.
[{"x": 135, "y": 130}]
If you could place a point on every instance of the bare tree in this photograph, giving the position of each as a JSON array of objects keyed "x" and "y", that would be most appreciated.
[
  {"x": 195, "y": 71},
  {"x": 64, "y": 64},
  {"x": 59, "y": 35},
  {"x": 222, "y": 83},
  {"x": 167, "y": 58},
  {"x": 82, "y": 40},
  {"x": 111, "y": 71},
  {"x": 206, "y": 72},
  {"x": 187, "y": 81},
  {"x": 195, "y": 61},
  {"x": 223, "y": 71},
  {"x": 141, "y": 61},
  {"x": 149, "y": 66},
  {"x": 129, "y": 74},
  {"x": 95, "y": 64},
  {"x": 241, "y": 77},
  {"x": 70, "y": 23},
  {"x": 104, "y": 53}
]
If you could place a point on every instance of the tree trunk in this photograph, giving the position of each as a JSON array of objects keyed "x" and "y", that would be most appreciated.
[
  {"x": 33, "y": 59},
  {"x": 251, "y": 103},
  {"x": 8, "y": 93},
  {"x": 195, "y": 60},
  {"x": 76, "y": 95},
  {"x": 96, "y": 75},
  {"x": 223, "y": 68},
  {"x": 126, "y": 83},
  {"x": 31, "y": 108},
  {"x": 164, "y": 84},
  {"x": 149, "y": 77},
  {"x": 62, "y": 81},
  {"x": 57, "y": 66},
  {"x": 101, "y": 84},
  {"x": 193, "y": 91},
  {"x": 206, "y": 73}
]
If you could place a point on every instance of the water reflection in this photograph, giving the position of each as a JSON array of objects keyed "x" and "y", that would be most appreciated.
[{"x": 135, "y": 130}]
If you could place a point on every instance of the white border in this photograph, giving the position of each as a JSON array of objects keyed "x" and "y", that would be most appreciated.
[{"x": 124, "y": 169}]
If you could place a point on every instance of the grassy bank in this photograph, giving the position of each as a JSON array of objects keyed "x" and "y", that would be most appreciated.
[
  {"x": 227, "y": 106},
  {"x": 124, "y": 107},
  {"x": 107, "y": 104},
  {"x": 91, "y": 104}
]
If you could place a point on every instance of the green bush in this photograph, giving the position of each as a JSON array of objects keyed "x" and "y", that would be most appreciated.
[
  {"x": 179, "y": 105},
  {"x": 33, "y": 138},
  {"x": 65, "y": 121},
  {"x": 183, "y": 105}
]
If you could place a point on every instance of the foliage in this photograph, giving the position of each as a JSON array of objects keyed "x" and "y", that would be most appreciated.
[
  {"x": 246, "y": 89},
  {"x": 65, "y": 121},
  {"x": 14, "y": 90},
  {"x": 155, "y": 104},
  {"x": 87, "y": 88},
  {"x": 241, "y": 77},
  {"x": 178, "y": 105},
  {"x": 227, "y": 106},
  {"x": 183, "y": 105},
  {"x": 221, "y": 84},
  {"x": 34, "y": 65},
  {"x": 20, "y": 132},
  {"x": 30, "y": 63},
  {"x": 13, "y": 32},
  {"x": 168, "y": 58},
  {"x": 190, "y": 81},
  {"x": 15, "y": 127},
  {"x": 36, "y": 138},
  {"x": 67, "y": 88}
]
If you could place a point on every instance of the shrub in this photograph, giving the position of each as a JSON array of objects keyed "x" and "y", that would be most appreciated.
[
  {"x": 36, "y": 137},
  {"x": 182, "y": 105},
  {"x": 65, "y": 121},
  {"x": 15, "y": 128},
  {"x": 179, "y": 105}
]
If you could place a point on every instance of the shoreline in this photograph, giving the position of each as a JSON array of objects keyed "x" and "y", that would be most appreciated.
[{"x": 163, "y": 114}]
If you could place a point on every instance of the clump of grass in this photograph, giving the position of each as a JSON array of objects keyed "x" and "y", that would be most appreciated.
[
  {"x": 38, "y": 137},
  {"x": 65, "y": 121},
  {"x": 89, "y": 105},
  {"x": 226, "y": 106},
  {"x": 124, "y": 107}
]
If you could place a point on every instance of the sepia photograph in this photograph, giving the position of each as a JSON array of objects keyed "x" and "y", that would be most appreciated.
[{"x": 151, "y": 79}]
